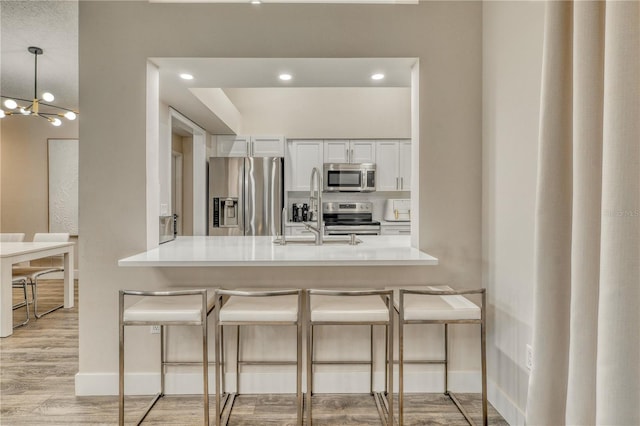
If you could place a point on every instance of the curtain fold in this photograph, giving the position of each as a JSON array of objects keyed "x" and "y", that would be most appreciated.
[{"x": 587, "y": 240}]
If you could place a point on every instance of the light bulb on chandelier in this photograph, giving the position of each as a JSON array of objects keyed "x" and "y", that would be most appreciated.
[{"x": 37, "y": 106}]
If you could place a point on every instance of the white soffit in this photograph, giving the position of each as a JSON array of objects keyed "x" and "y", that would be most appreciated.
[{"x": 190, "y": 97}]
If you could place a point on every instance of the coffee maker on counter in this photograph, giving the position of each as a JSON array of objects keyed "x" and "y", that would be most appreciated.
[{"x": 300, "y": 212}]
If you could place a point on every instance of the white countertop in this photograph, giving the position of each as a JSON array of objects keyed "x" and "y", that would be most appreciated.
[{"x": 260, "y": 251}]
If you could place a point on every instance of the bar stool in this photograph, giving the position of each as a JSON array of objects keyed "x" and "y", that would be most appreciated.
[
  {"x": 353, "y": 307},
  {"x": 440, "y": 305},
  {"x": 255, "y": 307},
  {"x": 171, "y": 307}
]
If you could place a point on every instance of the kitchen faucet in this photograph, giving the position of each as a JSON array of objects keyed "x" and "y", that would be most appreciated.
[{"x": 318, "y": 230}]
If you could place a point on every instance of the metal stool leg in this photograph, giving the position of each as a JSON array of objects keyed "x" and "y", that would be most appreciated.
[
  {"x": 205, "y": 366},
  {"x": 121, "y": 366},
  {"x": 309, "y": 370},
  {"x": 401, "y": 363}
]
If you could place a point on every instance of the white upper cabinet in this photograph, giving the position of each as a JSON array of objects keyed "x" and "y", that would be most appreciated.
[
  {"x": 249, "y": 146},
  {"x": 404, "y": 148},
  {"x": 336, "y": 151},
  {"x": 267, "y": 146},
  {"x": 344, "y": 151},
  {"x": 302, "y": 157},
  {"x": 232, "y": 146},
  {"x": 393, "y": 165}
]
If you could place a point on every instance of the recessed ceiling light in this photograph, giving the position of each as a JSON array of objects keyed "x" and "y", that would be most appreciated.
[
  {"x": 377, "y": 76},
  {"x": 256, "y": 2},
  {"x": 186, "y": 76},
  {"x": 285, "y": 77}
]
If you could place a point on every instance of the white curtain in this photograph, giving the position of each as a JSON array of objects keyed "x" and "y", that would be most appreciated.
[{"x": 586, "y": 361}]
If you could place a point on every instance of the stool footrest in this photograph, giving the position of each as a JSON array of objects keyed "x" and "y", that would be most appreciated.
[
  {"x": 267, "y": 362},
  {"x": 343, "y": 362}
]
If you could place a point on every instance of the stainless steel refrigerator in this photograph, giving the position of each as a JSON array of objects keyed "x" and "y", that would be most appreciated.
[{"x": 245, "y": 195}]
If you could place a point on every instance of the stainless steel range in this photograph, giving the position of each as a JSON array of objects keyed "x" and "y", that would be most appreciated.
[{"x": 342, "y": 218}]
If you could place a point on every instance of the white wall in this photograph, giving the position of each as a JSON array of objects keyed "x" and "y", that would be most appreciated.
[
  {"x": 445, "y": 36},
  {"x": 310, "y": 112},
  {"x": 512, "y": 64}
]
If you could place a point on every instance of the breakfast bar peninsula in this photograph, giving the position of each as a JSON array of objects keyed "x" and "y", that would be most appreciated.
[{"x": 263, "y": 251}]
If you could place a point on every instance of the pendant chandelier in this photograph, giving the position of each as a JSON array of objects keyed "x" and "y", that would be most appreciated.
[{"x": 37, "y": 106}]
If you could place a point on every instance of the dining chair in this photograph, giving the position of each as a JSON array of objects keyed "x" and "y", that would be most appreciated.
[
  {"x": 11, "y": 237},
  {"x": 33, "y": 273}
]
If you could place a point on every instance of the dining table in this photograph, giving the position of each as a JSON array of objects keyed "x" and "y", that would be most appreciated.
[{"x": 12, "y": 253}]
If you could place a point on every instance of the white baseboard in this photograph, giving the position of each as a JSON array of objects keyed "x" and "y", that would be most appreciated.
[
  {"x": 504, "y": 405},
  {"x": 275, "y": 382}
]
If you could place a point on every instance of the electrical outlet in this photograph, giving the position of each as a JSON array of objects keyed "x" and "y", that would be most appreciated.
[
  {"x": 155, "y": 329},
  {"x": 529, "y": 357}
]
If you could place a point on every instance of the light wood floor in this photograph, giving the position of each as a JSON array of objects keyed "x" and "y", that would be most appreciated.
[{"x": 39, "y": 361}]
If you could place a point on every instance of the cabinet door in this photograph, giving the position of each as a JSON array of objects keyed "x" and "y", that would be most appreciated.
[
  {"x": 302, "y": 157},
  {"x": 232, "y": 146},
  {"x": 336, "y": 151},
  {"x": 404, "y": 165},
  {"x": 267, "y": 146},
  {"x": 387, "y": 166},
  {"x": 362, "y": 152}
]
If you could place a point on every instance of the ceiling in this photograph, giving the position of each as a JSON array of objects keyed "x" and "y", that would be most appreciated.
[
  {"x": 190, "y": 96},
  {"x": 53, "y": 26}
]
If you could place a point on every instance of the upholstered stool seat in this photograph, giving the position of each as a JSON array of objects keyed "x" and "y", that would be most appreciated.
[
  {"x": 346, "y": 309},
  {"x": 439, "y": 305},
  {"x": 163, "y": 308},
  {"x": 353, "y": 307},
  {"x": 260, "y": 309},
  {"x": 421, "y": 307},
  {"x": 169, "y": 309},
  {"x": 255, "y": 307}
]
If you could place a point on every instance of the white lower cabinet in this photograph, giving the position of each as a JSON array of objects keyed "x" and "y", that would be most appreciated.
[{"x": 395, "y": 229}]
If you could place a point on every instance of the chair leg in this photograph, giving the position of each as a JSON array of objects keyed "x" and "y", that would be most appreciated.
[
  {"x": 34, "y": 291},
  {"x": 21, "y": 304}
]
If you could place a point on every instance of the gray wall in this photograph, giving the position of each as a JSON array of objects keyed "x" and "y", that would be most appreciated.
[{"x": 117, "y": 37}]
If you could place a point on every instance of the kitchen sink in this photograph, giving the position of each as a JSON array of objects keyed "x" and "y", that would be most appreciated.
[{"x": 311, "y": 241}]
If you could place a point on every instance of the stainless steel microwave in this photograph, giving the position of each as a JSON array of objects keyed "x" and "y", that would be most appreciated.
[{"x": 344, "y": 177}]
